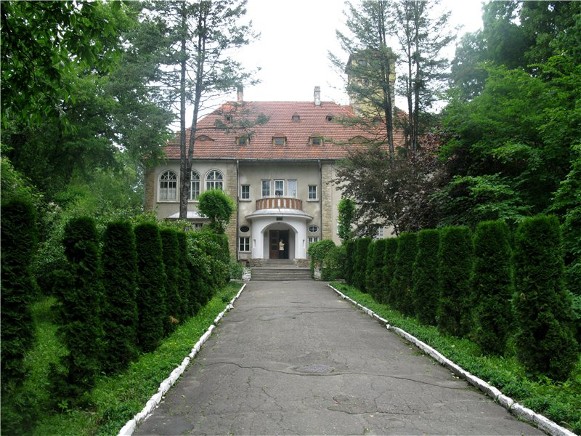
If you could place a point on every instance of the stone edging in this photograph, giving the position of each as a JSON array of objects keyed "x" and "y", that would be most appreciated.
[
  {"x": 165, "y": 385},
  {"x": 508, "y": 403}
]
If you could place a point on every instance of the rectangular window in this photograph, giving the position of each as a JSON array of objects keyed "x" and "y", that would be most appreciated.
[
  {"x": 380, "y": 233},
  {"x": 316, "y": 140},
  {"x": 245, "y": 192},
  {"x": 242, "y": 140},
  {"x": 266, "y": 188},
  {"x": 244, "y": 244},
  {"x": 279, "y": 188},
  {"x": 313, "y": 239},
  {"x": 195, "y": 189},
  {"x": 291, "y": 188},
  {"x": 278, "y": 140},
  {"x": 313, "y": 192}
]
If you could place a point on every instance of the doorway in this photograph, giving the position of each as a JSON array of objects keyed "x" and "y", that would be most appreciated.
[{"x": 278, "y": 244}]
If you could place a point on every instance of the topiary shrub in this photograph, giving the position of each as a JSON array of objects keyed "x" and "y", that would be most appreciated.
[
  {"x": 169, "y": 243},
  {"x": 19, "y": 237},
  {"x": 119, "y": 259},
  {"x": 402, "y": 285},
  {"x": 151, "y": 298},
  {"x": 79, "y": 311},
  {"x": 218, "y": 207},
  {"x": 425, "y": 276},
  {"x": 455, "y": 268},
  {"x": 390, "y": 252},
  {"x": 492, "y": 286},
  {"x": 360, "y": 265},
  {"x": 544, "y": 342}
]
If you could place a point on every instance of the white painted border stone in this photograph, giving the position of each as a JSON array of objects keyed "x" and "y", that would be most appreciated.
[
  {"x": 508, "y": 403},
  {"x": 165, "y": 385}
]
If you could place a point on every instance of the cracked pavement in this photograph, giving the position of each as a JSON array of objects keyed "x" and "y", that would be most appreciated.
[{"x": 294, "y": 358}]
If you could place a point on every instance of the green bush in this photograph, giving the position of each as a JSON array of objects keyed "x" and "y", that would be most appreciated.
[
  {"x": 184, "y": 280},
  {"x": 375, "y": 277},
  {"x": 79, "y": 308},
  {"x": 492, "y": 286},
  {"x": 390, "y": 252},
  {"x": 218, "y": 207},
  {"x": 349, "y": 260},
  {"x": 334, "y": 264},
  {"x": 171, "y": 263},
  {"x": 318, "y": 252},
  {"x": 120, "y": 317},
  {"x": 151, "y": 298},
  {"x": 402, "y": 284},
  {"x": 425, "y": 276},
  {"x": 360, "y": 263},
  {"x": 455, "y": 267},
  {"x": 545, "y": 343}
]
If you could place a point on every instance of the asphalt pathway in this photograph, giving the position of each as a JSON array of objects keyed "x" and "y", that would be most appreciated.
[{"x": 294, "y": 358}]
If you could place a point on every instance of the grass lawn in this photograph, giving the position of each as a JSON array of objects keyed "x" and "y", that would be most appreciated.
[
  {"x": 560, "y": 402},
  {"x": 115, "y": 399}
]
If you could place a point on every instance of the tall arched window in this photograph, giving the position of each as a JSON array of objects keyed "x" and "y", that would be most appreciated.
[
  {"x": 168, "y": 186},
  {"x": 195, "y": 186},
  {"x": 214, "y": 180}
]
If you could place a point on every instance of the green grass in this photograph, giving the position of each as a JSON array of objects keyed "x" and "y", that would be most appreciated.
[
  {"x": 116, "y": 399},
  {"x": 560, "y": 402}
]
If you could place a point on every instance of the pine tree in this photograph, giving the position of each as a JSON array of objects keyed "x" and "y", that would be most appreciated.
[
  {"x": 151, "y": 281},
  {"x": 120, "y": 316},
  {"x": 455, "y": 267},
  {"x": 545, "y": 342},
  {"x": 425, "y": 276},
  {"x": 492, "y": 286}
]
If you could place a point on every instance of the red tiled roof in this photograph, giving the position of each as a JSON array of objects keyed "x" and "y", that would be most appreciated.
[{"x": 221, "y": 141}]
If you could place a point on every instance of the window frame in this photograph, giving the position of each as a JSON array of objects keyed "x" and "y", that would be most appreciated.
[
  {"x": 214, "y": 183},
  {"x": 311, "y": 189},
  {"x": 276, "y": 139},
  {"x": 281, "y": 189},
  {"x": 167, "y": 189},
  {"x": 265, "y": 187},
  {"x": 244, "y": 244},
  {"x": 244, "y": 191},
  {"x": 192, "y": 182}
]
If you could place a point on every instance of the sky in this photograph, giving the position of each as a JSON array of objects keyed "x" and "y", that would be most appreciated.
[{"x": 296, "y": 36}]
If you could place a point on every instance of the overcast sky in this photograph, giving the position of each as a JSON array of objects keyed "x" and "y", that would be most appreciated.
[{"x": 296, "y": 36}]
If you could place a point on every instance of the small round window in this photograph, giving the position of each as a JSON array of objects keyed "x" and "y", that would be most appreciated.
[
  {"x": 313, "y": 229},
  {"x": 244, "y": 229}
]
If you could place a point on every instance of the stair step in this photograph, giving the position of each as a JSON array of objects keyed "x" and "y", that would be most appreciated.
[{"x": 278, "y": 274}]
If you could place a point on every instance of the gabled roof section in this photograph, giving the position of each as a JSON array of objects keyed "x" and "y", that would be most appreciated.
[{"x": 314, "y": 121}]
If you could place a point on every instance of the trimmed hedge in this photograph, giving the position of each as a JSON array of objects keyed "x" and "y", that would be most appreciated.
[
  {"x": 455, "y": 267},
  {"x": 492, "y": 286},
  {"x": 349, "y": 260},
  {"x": 19, "y": 237},
  {"x": 174, "y": 304},
  {"x": 388, "y": 270},
  {"x": 375, "y": 276},
  {"x": 80, "y": 300},
  {"x": 184, "y": 279},
  {"x": 120, "y": 316},
  {"x": 360, "y": 263},
  {"x": 545, "y": 343},
  {"x": 318, "y": 252},
  {"x": 151, "y": 298},
  {"x": 401, "y": 284},
  {"x": 425, "y": 276}
]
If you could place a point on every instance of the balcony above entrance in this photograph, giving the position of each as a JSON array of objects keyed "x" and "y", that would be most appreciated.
[
  {"x": 279, "y": 203},
  {"x": 279, "y": 208}
]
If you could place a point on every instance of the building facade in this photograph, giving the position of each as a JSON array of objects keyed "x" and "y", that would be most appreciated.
[{"x": 277, "y": 160}]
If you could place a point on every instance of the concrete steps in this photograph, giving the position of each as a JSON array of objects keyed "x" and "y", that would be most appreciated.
[{"x": 280, "y": 273}]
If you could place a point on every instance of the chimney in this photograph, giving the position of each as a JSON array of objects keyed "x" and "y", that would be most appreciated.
[
  {"x": 240, "y": 93},
  {"x": 317, "y": 96}
]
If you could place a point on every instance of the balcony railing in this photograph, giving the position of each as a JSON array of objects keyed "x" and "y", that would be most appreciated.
[{"x": 279, "y": 203}]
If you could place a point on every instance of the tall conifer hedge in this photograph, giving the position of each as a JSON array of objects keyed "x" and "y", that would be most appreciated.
[
  {"x": 120, "y": 316},
  {"x": 492, "y": 286},
  {"x": 80, "y": 301},
  {"x": 349, "y": 260},
  {"x": 184, "y": 279},
  {"x": 402, "y": 285},
  {"x": 170, "y": 249},
  {"x": 151, "y": 298},
  {"x": 375, "y": 276},
  {"x": 390, "y": 252},
  {"x": 545, "y": 343},
  {"x": 19, "y": 238},
  {"x": 360, "y": 264},
  {"x": 425, "y": 276},
  {"x": 455, "y": 267}
]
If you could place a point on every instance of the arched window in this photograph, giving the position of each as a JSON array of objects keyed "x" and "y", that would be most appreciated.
[
  {"x": 168, "y": 186},
  {"x": 195, "y": 186},
  {"x": 214, "y": 180}
]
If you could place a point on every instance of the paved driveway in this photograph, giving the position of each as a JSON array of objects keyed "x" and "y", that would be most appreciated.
[{"x": 294, "y": 358}]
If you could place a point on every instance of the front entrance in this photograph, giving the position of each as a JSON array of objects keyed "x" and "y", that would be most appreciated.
[{"x": 278, "y": 244}]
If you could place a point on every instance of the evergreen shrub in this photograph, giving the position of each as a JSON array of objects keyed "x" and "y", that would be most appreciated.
[
  {"x": 545, "y": 343},
  {"x": 19, "y": 237},
  {"x": 402, "y": 284},
  {"x": 390, "y": 252},
  {"x": 334, "y": 264},
  {"x": 79, "y": 309},
  {"x": 349, "y": 260},
  {"x": 455, "y": 267},
  {"x": 184, "y": 280},
  {"x": 360, "y": 264},
  {"x": 151, "y": 297},
  {"x": 375, "y": 277},
  {"x": 425, "y": 276},
  {"x": 492, "y": 286},
  {"x": 170, "y": 249},
  {"x": 318, "y": 251},
  {"x": 119, "y": 259}
]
